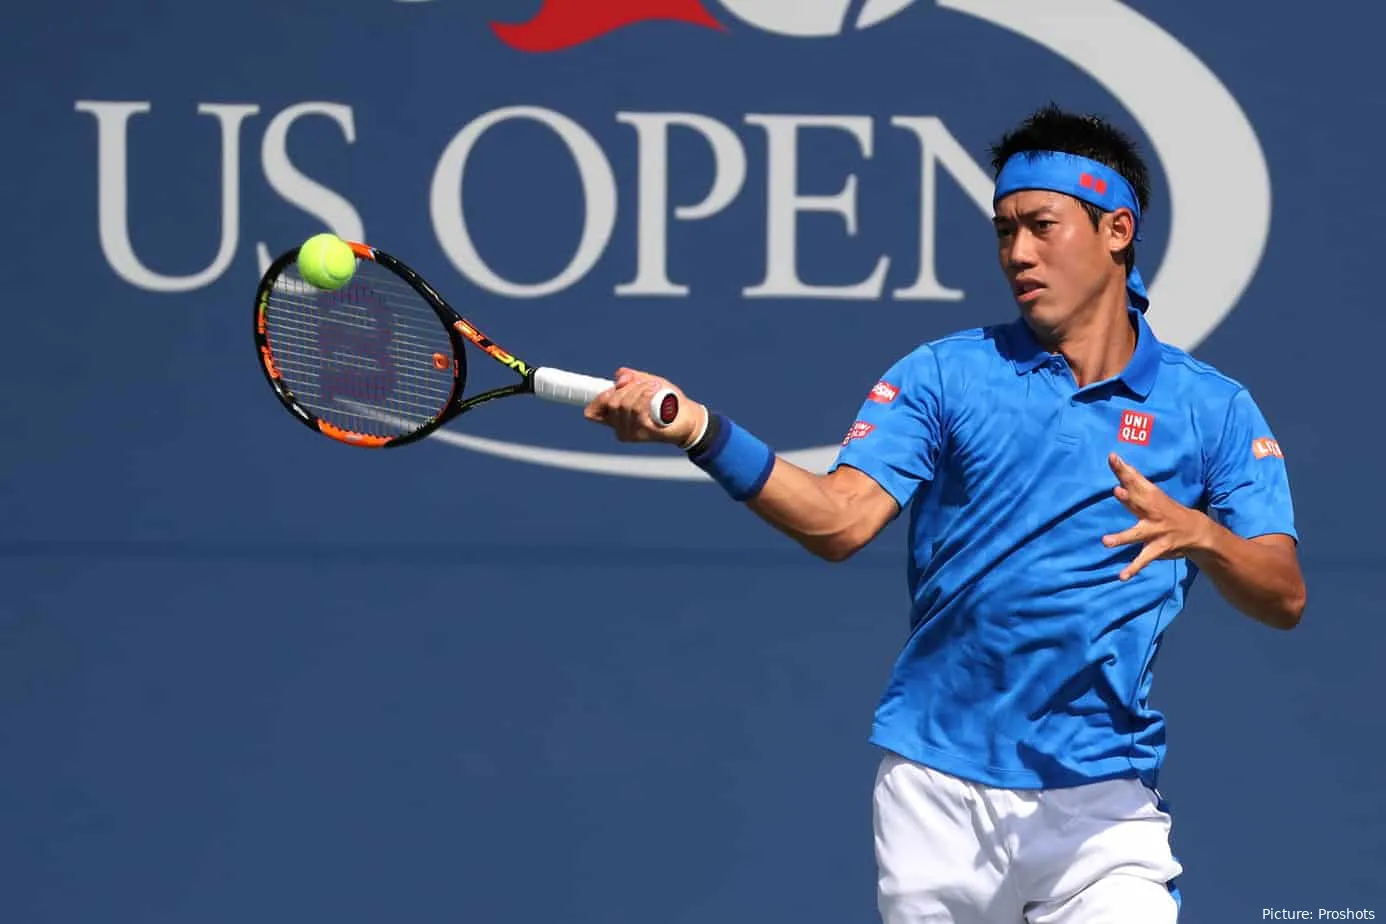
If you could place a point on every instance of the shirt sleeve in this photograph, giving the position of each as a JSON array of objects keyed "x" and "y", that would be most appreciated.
[
  {"x": 1248, "y": 485},
  {"x": 898, "y": 432}
]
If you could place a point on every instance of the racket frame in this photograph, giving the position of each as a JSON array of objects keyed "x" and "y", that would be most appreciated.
[{"x": 460, "y": 332}]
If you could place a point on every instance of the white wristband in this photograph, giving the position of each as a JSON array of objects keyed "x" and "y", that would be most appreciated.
[{"x": 707, "y": 417}]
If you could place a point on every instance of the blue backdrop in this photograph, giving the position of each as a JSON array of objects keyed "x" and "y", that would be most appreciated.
[{"x": 249, "y": 674}]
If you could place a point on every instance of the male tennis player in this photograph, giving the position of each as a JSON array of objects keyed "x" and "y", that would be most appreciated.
[{"x": 1067, "y": 477}]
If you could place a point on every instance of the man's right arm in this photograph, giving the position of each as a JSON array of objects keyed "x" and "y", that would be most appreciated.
[
  {"x": 831, "y": 515},
  {"x": 887, "y": 453}
]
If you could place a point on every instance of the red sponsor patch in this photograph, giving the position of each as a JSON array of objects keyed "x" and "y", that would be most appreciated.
[
  {"x": 883, "y": 393},
  {"x": 1264, "y": 448},
  {"x": 859, "y": 430},
  {"x": 1135, "y": 427},
  {"x": 1088, "y": 181}
]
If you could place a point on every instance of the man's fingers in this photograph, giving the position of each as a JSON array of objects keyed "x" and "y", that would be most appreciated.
[
  {"x": 634, "y": 399},
  {"x": 619, "y": 407},
  {"x": 599, "y": 408},
  {"x": 626, "y": 408},
  {"x": 1137, "y": 533},
  {"x": 1126, "y": 475},
  {"x": 595, "y": 410},
  {"x": 1128, "y": 500},
  {"x": 626, "y": 376},
  {"x": 1148, "y": 554}
]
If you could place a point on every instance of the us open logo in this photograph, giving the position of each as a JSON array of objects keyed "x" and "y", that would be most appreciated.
[{"x": 1182, "y": 107}]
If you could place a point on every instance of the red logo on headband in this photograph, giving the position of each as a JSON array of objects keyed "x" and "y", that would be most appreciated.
[{"x": 1088, "y": 181}]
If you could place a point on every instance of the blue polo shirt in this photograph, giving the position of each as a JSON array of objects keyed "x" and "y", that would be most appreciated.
[{"x": 1028, "y": 663}]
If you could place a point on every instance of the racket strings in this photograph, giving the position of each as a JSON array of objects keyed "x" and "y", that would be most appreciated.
[{"x": 372, "y": 357}]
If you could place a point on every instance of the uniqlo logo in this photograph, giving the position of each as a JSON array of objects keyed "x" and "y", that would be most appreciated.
[
  {"x": 1264, "y": 448},
  {"x": 859, "y": 430},
  {"x": 1088, "y": 181},
  {"x": 1135, "y": 428},
  {"x": 883, "y": 393}
]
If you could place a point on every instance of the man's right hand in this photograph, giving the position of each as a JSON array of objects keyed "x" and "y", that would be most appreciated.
[
  {"x": 830, "y": 515},
  {"x": 626, "y": 409}
]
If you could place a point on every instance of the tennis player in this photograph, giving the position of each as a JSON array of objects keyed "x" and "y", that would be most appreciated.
[{"x": 1067, "y": 477}]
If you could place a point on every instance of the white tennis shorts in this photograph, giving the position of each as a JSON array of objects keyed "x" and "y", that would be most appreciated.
[{"x": 953, "y": 851}]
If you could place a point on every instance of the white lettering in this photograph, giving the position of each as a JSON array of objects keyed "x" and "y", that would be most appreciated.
[
  {"x": 784, "y": 203},
  {"x": 652, "y": 240},
  {"x": 447, "y": 208},
  {"x": 655, "y": 215},
  {"x": 112, "y": 120},
  {"x": 937, "y": 145},
  {"x": 337, "y": 214}
]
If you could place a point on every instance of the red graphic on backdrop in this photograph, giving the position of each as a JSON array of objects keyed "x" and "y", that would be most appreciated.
[{"x": 564, "y": 23}]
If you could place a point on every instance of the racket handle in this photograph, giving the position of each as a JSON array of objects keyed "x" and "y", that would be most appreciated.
[{"x": 571, "y": 388}]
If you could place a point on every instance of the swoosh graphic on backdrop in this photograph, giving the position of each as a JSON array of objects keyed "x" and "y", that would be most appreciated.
[{"x": 562, "y": 24}]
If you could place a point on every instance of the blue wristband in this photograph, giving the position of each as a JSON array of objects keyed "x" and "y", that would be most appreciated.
[{"x": 736, "y": 460}]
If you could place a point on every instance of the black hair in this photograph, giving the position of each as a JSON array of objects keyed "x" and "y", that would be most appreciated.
[{"x": 1090, "y": 136}]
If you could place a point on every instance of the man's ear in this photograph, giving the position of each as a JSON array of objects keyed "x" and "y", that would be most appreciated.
[{"x": 1121, "y": 230}]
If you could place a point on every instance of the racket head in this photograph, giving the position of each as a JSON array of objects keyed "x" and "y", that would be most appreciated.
[{"x": 373, "y": 364}]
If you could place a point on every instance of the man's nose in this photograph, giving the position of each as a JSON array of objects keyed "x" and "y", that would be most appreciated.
[{"x": 1021, "y": 252}]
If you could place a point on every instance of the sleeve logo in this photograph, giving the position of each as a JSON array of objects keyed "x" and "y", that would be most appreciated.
[
  {"x": 859, "y": 430},
  {"x": 1264, "y": 448},
  {"x": 883, "y": 393}
]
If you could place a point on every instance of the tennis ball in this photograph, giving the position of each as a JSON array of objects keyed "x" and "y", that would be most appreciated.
[{"x": 326, "y": 261}]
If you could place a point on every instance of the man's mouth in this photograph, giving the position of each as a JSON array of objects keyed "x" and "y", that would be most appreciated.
[{"x": 1026, "y": 289}]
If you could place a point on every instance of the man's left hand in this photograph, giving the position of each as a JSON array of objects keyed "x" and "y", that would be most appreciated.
[{"x": 1165, "y": 527}]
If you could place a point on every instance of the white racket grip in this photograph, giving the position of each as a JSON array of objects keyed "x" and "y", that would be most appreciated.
[{"x": 571, "y": 388}]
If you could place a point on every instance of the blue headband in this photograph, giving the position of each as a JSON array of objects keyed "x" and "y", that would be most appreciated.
[{"x": 1080, "y": 178}]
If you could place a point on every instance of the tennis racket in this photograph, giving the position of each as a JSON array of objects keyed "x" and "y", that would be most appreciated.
[{"x": 382, "y": 361}]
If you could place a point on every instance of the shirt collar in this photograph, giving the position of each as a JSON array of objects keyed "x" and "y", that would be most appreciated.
[
  {"x": 1139, "y": 374},
  {"x": 1027, "y": 354}
]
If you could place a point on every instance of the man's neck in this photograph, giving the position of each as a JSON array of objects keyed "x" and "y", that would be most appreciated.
[{"x": 1099, "y": 343}]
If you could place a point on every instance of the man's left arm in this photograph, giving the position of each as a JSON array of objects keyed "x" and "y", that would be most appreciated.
[
  {"x": 1259, "y": 576},
  {"x": 1248, "y": 547}
]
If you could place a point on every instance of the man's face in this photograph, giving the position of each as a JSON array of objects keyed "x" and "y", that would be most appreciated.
[{"x": 1056, "y": 262}]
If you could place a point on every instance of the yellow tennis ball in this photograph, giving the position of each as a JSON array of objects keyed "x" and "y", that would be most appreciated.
[{"x": 326, "y": 261}]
